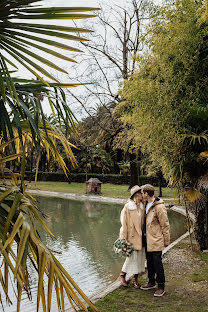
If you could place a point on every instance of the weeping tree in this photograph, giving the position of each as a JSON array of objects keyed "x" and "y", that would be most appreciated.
[
  {"x": 166, "y": 102},
  {"x": 23, "y": 41}
]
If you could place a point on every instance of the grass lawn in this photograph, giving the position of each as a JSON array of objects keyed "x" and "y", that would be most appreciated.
[
  {"x": 186, "y": 286},
  {"x": 108, "y": 190}
]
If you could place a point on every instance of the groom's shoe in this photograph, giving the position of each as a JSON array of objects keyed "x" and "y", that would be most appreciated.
[
  {"x": 148, "y": 286},
  {"x": 159, "y": 293}
]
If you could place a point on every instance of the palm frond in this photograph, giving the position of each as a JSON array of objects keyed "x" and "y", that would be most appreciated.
[
  {"x": 16, "y": 209},
  {"x": 201, "y": 138},
  {"x": 12, "y": 33},
  {"x": 204, "y": 155},
  {"x": 30, "y": 118},
  {"x": 192, "y": 194},
  {"x": 22, "y": 116}
]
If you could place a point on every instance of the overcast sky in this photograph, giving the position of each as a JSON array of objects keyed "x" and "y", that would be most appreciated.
[{"x": 80, "y": 23}]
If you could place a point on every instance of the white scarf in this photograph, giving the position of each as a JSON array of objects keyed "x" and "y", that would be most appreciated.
[{"x": 132, "y": 205}]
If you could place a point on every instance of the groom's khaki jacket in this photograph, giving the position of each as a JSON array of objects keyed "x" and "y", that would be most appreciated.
[
  {"x": 157, "y": 227},
  {"x": 131, "y": 229}
]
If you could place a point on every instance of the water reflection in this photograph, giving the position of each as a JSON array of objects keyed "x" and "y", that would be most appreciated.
[
  {"x": 85, "y": 232},
  {"x": 92, "y": 226}
]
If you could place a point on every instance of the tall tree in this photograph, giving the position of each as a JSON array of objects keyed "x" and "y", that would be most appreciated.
[
  {"x": 109, "y": 61},
  {"x": 166, "y": 102}
]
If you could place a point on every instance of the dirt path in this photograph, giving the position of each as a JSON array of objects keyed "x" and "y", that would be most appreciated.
[{"x": 186, "y": 286}]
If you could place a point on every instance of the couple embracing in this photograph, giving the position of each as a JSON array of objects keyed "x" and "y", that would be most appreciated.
[{"x": 145, "y": 225}]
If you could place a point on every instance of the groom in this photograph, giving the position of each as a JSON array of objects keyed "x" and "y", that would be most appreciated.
[{"x": 156, "y": 236}]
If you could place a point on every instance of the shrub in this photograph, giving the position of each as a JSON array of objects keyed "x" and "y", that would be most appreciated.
[{"x": 81, "y": 178}]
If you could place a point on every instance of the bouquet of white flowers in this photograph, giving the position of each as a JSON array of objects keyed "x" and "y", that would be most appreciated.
[{"x": 123, "y": 248}]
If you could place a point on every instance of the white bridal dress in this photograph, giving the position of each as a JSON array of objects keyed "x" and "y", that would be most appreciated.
[{"x": 135, "y": 263}]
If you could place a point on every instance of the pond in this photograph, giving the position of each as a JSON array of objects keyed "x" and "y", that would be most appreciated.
[{"x": 85, "y": 232}]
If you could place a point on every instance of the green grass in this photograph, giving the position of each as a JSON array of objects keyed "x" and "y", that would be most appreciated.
[
  {"x": 108, "y": 190},
  {"x": 204, "y": 257},
  {"x": 201, "y": 275}
]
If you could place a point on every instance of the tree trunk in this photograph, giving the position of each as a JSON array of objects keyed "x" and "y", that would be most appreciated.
[
  {"x": 117, "y": 157},
  {"x": 160, "y": 187},
  {"x": 139, "y": 158},
  {"x": 31, "y": 159},
  {"x": 44, "y": 160},
  {"x": 160, "y": 177},
  {"x": 201, "y": 224},
  {"x": 133, "y": 171}
]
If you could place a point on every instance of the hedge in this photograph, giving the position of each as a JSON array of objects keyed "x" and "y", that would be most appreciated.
[{"x": 81, "y": 178}]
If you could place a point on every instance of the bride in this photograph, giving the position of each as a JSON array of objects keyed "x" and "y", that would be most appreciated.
[{"x": 132, "y": 218}]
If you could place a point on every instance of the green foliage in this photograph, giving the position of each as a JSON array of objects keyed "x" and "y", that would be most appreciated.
[
  {"x": 166, "y": 100},
  {"x": 81, "y": 178},
  {"x": 124, "y": 167},
  {"x": 95, "y": 160}
]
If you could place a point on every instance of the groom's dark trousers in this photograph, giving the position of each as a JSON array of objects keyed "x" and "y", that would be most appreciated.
[{"x": 155, "y": 266}]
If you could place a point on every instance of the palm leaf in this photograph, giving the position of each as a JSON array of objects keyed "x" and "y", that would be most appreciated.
[
  {"x": 192, "y": 194},
  {"x": 50, "y": 15},
  {"x": 47, "y": 263},
  {"x": 201, "y": 138},
  {"x": 11, "y": 63},
  {"x": 6, "y": 193},
  {"x": 204, "y": 155},
  {"x": 39, "y": 47},
  {"x": 25, "y": 116},
  {"x": 25, "y": 65},
  {"x": 56, "y": 44},
  {"x": 5, "y": 144},
  {"x": 41, "y": 269},
  {"x": 15, "y": 230},
  {"x": 21, "y": 56},
  {"x": 11, "y": 213},
  {"x": 9, "y": 158},
  {"x": 9, "y": 81},
  {"x": 39, "y": 58},
  {"x": 25, "y": 231},
  {"x": 53, "y": 27},
  {"x": 8, "y": 28},
  {"x": 58, "y": 10},
  {"x": 45, "y": 32}
]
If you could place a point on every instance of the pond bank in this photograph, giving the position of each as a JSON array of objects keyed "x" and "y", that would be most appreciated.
[
  {"x": 186, "y": 286},
  {"x": 114, "y": 288},
  {"x": 98, "y": 198}
]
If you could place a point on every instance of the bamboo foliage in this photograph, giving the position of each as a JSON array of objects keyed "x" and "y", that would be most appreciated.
[{"x": 203, "y": 13}]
